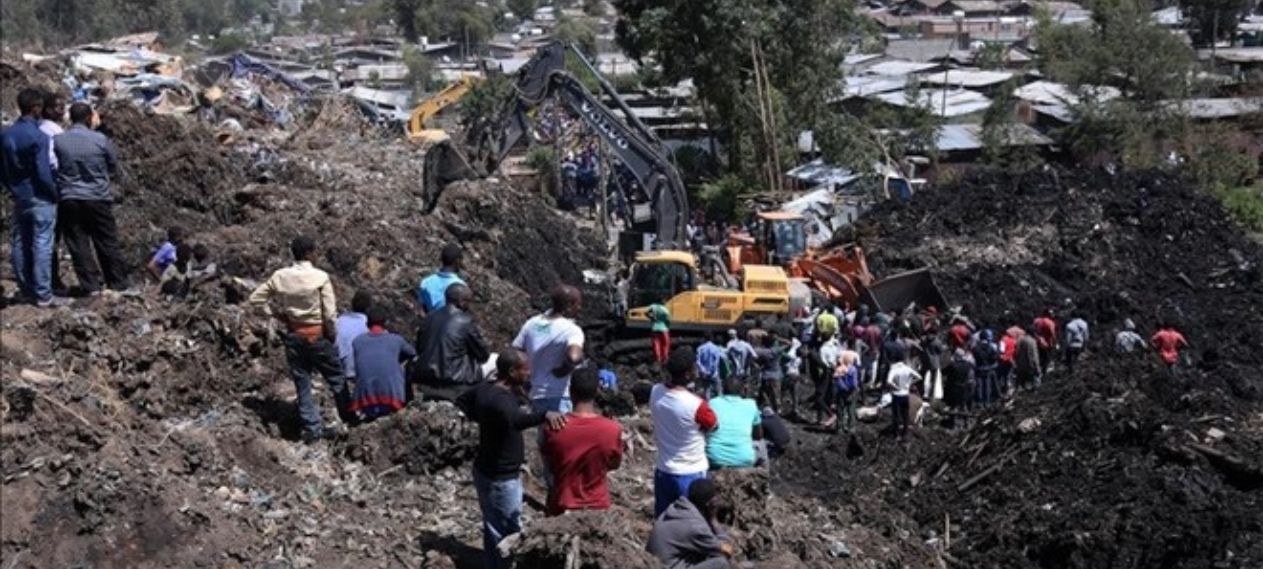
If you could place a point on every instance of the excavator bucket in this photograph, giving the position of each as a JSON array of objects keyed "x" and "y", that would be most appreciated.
[
  {"x": 444, "y": 164},
  {"x": 903, "y": 289}
]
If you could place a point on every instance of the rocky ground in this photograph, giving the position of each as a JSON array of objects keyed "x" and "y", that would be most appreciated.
[{"x": 144, "y": 432}]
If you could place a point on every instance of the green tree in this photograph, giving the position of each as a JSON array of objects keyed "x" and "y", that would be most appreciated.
[
  {"x": 576, "y": 31},
  {"x": 522, "y": 9},
  {"x": 1213, "y": 20},
  {"x": 405, "y": 12},
  {"x": 422, "y": 71},
  {"x": 716, "y": 43},
  {"x": 229, "y": 43}
]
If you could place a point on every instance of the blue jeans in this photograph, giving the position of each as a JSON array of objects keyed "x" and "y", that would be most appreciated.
[
  {"x": 306, "y": 358},
  {"x": 31, "y": 239},
  {"x": 668, "y": 488},
  {"x": 714, "y": 387},
  {"x": 501, "y": 505}
]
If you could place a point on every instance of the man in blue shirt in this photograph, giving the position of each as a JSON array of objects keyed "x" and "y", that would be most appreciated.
[
  {"x": 25, "y": 162},
  {"x": 432, "y": 292},
  {"x": 710, "y": 358},
  {"x": 86, "y": 208},
  {"x": 351, "y": 325}
]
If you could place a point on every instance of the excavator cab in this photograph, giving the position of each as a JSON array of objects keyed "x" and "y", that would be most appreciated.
[{"x": 784, "y": 236}]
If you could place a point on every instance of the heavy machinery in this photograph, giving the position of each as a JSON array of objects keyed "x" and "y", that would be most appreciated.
[
  {"x": 671, "y": 278},
  {"x": 839, "y": 274},
  {"x": 543, "y": 78},
  {"x": 432, "y": 105}
]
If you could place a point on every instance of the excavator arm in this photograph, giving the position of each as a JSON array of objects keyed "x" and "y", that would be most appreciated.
[
  {"x": 425, "y": 110},
  {"x": 545, "y": 77}
]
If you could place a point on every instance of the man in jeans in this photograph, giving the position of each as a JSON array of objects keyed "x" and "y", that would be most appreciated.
[
  {"x": 496, "y": 407},
  {"x": 86, "y": 211},
  {"x": 308, "y": 307},
  {"x": 25, "y": 162}
]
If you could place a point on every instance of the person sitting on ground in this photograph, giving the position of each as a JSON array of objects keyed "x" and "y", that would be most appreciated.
[
  {"x": 175, "y": 279},
  {"x": 349, "y": 326},
  {"x": 308, "y": 308},
  {"x": 1127, "y": 340},
  {"x": 432, "y": 290},
  {"x": 497, "y": 408},
  {"x": 165, "y": 256},
  {"x": 679, "y": 420},
  {"x": 776, "y": 436},
  {"x": 379, "y": 357},
  {"x": 731, "y": 445},
  {"x": 687, "y": 534},
  {"x": 451, "y": 347},
  {"x": 580, "y": 455}
]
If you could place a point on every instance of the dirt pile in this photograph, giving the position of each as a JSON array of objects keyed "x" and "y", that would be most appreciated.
[
  {"x": 1121, "y": 464},
  {"x": 586, "y": 540}
]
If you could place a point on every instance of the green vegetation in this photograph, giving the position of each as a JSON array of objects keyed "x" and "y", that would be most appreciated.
[{"x": 422, "y": 72}]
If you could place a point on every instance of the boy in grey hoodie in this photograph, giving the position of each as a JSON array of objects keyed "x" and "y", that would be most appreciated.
[{"x": 686, "y": 535}]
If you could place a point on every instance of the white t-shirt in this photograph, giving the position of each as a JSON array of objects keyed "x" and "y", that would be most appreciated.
[
  {"x": 676, "y": 429},
  {"x": 901, "y": 378},
  {"x": 546, "y": 341}
]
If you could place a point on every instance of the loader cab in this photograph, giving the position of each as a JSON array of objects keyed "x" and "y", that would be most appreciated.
[
  {"x": 659, "y": 276},
  {"x": 784, "y": 236}
]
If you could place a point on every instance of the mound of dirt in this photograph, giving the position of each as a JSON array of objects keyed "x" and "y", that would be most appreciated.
[
  {"x": 1121, "y": 464},
  {"x": 423, "y": 439},
  {"x": 586, "y": 540}
]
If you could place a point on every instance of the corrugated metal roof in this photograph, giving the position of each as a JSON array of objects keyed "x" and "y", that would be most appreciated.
[
  {"x": 920, "y": 49},
  {"x": 1220, "y": 108},
  {"x": 898, "y": 67},
  {"x": 864, "y": 85},
  {"x": 1052, "y": 93},
  {"x": 1240, "y": 54},
  {"x": 958, "y": 102},
  {"x": 966, "y": 137},
  {"x": 976, "y": 6},
  {"x": 817, "y": 172},
  {"x": 967, "y": 78}
]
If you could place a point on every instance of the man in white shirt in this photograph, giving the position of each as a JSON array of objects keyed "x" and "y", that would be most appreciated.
[
  {"x": 553, "y": 344},
  {"x": 900, "y": 379},
  {"x": 680, "y": 418}
]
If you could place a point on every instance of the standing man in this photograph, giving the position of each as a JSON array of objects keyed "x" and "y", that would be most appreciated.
[
  {"x": 826, "y": 389},
  {"x": 349, "y": 327},
  {"x": 496, "y": 407},
  {"x": 308, "y": 306},
  {"x": 740, "y": 354},
  {"x": 580, "y": 455},
  {"x": 827, "y": 323},
  {"x": 679, "y": 420},
  {"x": 1076, "y": 341},
  {"x": 987, "y": 360},
  {"x": 553, "y": 343},
  {"x": 1046, "y": 337},
  {"x": 27, "y": 170},
  {"x": 660, "y": 332},
  {"x": 900, "y": 378},
  {"x": 1026, "y": 361},
  {"x": 1127, "y": 340},
  {"x": 710, "y": 364},
  {"x": 432, "y": 291},
  {"x": 451, "y": 347},
  {"x": 86, "y": 211},
  {"x": 53, "y": 114},
  {"x": 1168, "y": 341}
]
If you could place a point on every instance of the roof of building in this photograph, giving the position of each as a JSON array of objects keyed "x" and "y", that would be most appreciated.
[
  {"x": 1240, "y": 54},
  {"x": 920, "y": 49},
  {"x": 953, "y": 103},
  {"x": 1220, "y": 108},
  {"x": 976, "y": 6},
  {"x": 817, "y": 172},
  {"x": 899, "y": 67},
  {"x": 967, "y": 78},
  {"x": 1052, "y": 93},
  {"x": 967, "y": 137},
  {"x": 864, "y": 85}
]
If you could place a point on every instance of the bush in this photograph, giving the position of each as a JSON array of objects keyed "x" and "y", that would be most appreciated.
[
  {"x": 543, "y": 160},
  {"x": 722, "y": 198},
  {"x": 229, "y": 42}
]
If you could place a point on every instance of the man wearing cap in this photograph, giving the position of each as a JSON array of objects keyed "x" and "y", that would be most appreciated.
[{"x": 307, "y": 305}]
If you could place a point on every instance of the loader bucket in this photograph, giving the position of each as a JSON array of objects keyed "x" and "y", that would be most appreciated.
[
  {"x": 903, "y": 289},
  {"x": 444, "y": 164}
]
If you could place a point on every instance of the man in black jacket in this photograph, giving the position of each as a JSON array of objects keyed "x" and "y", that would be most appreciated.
[
  {"x": 451, "y": 348},
  {"x": 497, "y": 407}
]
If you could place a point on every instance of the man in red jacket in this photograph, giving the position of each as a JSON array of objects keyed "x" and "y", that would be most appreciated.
[
  {"x": 1046, "y": 337},
  {"x": 1168, "y": 342}
]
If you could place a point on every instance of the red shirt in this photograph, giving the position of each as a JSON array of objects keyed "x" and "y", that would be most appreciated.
[
  {"x": 1046, "y": 332},
  {"x": 1008, "y": 349},
  {"x": 960, "y": 336},
  {"x": 1168, "y": 342},
  {"x": 579, "y": 456}
]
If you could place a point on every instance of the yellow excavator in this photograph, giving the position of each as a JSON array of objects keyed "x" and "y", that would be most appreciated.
[{"x": 432, "y": 105}]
